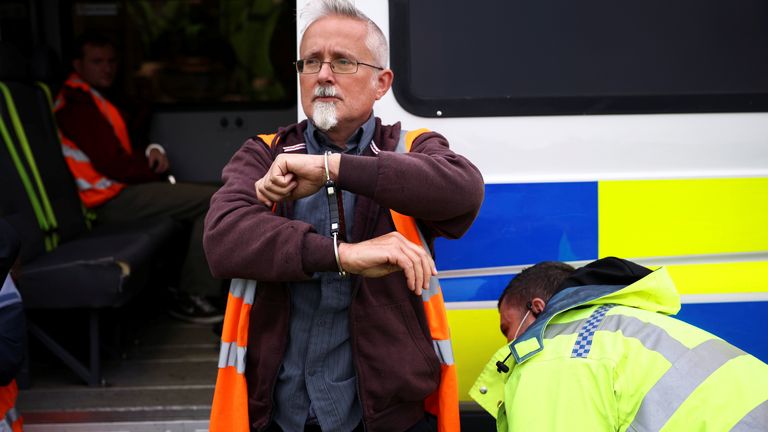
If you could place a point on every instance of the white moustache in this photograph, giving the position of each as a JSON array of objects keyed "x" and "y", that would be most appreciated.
[{"x": 325, "y": 91}]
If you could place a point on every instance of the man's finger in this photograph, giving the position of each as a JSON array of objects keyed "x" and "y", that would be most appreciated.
[
  {"x": 407, "y": 265},
  {"x": 418, "y": 269}
]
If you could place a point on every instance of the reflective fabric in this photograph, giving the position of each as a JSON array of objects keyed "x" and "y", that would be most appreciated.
[
  {"x": 643, "y": 371},
  {"x": 95, "y": 189}
]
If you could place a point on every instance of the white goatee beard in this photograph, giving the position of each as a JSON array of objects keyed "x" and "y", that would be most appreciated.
[{"x": 324, "y": 113}]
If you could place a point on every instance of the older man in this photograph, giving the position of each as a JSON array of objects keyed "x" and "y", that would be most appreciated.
[
  {"x": 337, "y": 340},
  {"x": 594, "y": 350}
]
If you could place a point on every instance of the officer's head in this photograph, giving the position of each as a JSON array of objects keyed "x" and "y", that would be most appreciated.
[{"x": 527, "y": 294}]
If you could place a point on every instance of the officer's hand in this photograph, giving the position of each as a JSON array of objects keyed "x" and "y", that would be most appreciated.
[
  {"x": 383, "y": 255},
  {"x": 158, "y": 161},
  {"x": 294, "y": 176}
]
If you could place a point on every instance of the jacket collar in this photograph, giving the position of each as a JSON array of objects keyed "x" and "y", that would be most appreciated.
[{"x": 655, "y": 292}]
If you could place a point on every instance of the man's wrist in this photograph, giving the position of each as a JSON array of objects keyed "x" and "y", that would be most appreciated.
[
  {"x": 334, "y": 161},
  {"x": 336, "y": 246},
  {"x": 154, "y": 146}
]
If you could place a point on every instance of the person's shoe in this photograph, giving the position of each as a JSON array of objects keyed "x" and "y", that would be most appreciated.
[{"x": 195, "y": 309}]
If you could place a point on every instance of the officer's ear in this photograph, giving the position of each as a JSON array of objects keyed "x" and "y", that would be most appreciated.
[{"x": 536, "y": 306}]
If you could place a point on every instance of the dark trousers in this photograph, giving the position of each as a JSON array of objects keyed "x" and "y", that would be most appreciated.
[{"x": 184, "y": 202}]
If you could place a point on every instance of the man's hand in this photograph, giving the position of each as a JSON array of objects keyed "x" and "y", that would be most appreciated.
[
  {"x": 158, "y": 161},
  {"x": 294, "y": 176},
  {"x": 383, "y": 255}
]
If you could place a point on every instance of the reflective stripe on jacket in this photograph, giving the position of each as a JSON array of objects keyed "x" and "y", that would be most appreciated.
[
  {"x": 612, "y": 362},
  {"x": 10, "y": 420},
  {"x": 94, "y": 188},
  {"x": 230, "y": 404}
]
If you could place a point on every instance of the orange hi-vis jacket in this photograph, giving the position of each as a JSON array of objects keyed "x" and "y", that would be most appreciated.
[
  {"x": 94, "y": 188},
  {"x": 10, "y": 420},
  {"x": 229, "y": 412},
  {"x": 9, "y": 417}
]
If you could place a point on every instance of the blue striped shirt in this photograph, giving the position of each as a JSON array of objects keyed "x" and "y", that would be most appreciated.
[{"x": 317, "y": 382}]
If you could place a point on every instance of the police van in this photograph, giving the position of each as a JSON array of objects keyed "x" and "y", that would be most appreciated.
[{"x": 601, "y": 129}]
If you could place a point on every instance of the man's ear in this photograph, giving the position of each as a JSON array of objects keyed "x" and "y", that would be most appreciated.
[
  {"x": 384, "y": 82},
  {"x": 537, "y": 306}
]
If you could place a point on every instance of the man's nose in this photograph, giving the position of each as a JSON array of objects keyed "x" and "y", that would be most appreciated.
[{"x": 326, "y": 73}]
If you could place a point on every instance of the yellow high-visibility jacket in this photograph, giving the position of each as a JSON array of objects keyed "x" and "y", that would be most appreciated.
[{"x": 608, "y": 358}]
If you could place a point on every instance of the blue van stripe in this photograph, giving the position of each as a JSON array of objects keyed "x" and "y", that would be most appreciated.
[
  {"x": 476, "y": 288},
  {"x": 524, "y": 223},
  {"x": 739, "y": 332}
]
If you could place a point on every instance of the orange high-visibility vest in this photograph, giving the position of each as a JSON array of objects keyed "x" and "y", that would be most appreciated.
[
  {"x": 229, "y": 412},
  {"x": 9, "y": 417},
  {"x": 94, "y": 188}
]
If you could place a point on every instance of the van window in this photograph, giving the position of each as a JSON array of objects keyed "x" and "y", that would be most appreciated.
[
  {"x": 199, "y": 53},
  {"x": 552, "y": 57}
]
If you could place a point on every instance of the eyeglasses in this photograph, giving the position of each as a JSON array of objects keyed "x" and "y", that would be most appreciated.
[{"x": 339, "y": 66}]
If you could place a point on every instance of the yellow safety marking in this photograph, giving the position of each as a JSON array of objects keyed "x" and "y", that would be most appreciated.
[
  {"x": 651, "y": 218},
  {"x": 476, "y": 336},
  {"x": 720, "y": 278}
]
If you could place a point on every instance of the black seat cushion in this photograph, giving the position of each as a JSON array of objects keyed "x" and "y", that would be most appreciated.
[{"x": 104, "y": 269}]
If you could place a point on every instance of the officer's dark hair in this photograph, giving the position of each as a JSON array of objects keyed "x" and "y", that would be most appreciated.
[
  {"x": 542, "y": 280},
  {"x": 90, "y": 37}
]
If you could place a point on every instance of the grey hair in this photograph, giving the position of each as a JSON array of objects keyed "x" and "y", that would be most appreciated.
[{"x": 375, "y": 40}]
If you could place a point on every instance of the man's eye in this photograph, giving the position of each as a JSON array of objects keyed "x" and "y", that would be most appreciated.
[
  {"x": 311, "y": 62},
  {"x": 343, "y": 62}
]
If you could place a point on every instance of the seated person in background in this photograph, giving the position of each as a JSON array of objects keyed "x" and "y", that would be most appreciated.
[
  {"x": 121, "y": 179},
  {"x": 12, "y": 331},
  {"x": 594, "y": 349}
]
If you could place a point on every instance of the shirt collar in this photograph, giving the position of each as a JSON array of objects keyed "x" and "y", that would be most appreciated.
[{"x": 317, "y": 141}]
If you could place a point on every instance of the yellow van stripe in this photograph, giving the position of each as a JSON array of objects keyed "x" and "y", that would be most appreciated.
[
  {"x": 476, "y": 336},
  {"x": 644, "y": 218},
  {"x": 721, "y": 278}
]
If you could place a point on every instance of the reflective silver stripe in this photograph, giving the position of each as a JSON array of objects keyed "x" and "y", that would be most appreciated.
[
  {"x": 650, "y": 335},
  {"x": 434, "y": 289},
  {"x": 8, "y": 293},
  {"x": 10, "y": 417},
  {"x": 103, "y": 183},
  {"x": 434, "y": 282},
  {"x": 444, "y": 350},
  {"x": 682, "y": 379},
  {"x": 83, "y": 185},
  {"x": 232, "y": 355},
  {"x": 243, "y": 288},
  {"x": 756, "y": 420},
  {"x": 553, "y": 330},
  {"x": 400, "y": 148},
  {"x": 75, "y": 154}
]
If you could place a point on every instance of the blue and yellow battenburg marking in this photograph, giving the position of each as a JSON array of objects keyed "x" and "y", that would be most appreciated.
[{"x": 712, "y": 234}]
